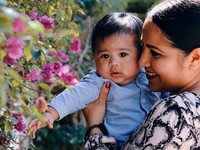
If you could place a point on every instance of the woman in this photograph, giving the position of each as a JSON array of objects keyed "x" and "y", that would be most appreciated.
[{"x": 171, "y": 57}]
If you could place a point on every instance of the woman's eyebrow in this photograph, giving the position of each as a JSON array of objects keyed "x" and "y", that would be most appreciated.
[{"x": 153, "y": 47}]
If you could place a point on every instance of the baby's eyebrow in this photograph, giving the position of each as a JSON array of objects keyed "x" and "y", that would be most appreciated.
[{"x": 100, "y": 51}]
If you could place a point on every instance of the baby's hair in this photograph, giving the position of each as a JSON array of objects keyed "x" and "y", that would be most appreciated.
[
  {"x": 179, "y": 20},
  {"x": 115, "y": 23}
]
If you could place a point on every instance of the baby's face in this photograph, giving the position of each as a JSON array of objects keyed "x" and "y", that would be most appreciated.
[{"x": 116, "y": 58}]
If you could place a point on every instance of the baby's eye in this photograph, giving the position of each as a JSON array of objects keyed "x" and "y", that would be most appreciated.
[
  {"x": 123, "y": 54},
  {"x": 105, "y": 56},
  {"x": 154, "y": 54}
]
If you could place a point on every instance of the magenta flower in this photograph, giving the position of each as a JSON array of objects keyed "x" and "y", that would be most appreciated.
[
  {"x": 8, "y": 60},
  {"x": 14, "y": 48},
  {"x": 33, "y": 15},
  {"x": 64, "y": 70},
  {"x": 57, "y": 66},
  {"x": 47, "y": 22},
  {"x": 40, "y": 1},
  {"x": 2, "y": 138},
  {"x": 75, "y": 46},
  {"x": 69, "y": 78},
  {"x": 20, "y": 126},
  {"x": 47, "y": 71},
  {"x": 18, "y": 25},
  {"x": 62, "y": 56},
  {"x": 33, "y": 76},
  {"x": 51, "y": 53}
]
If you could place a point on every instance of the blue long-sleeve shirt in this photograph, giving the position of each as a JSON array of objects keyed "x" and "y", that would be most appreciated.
[{"x": 127, "y": 105}]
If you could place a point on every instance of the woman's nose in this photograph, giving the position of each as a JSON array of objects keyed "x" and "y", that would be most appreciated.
[{"x": 145, "y": 58}]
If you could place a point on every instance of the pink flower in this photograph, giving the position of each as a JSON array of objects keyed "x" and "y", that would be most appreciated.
[
  {"x": 75, "y": 46},
  {"x": 33, "y": 15},
  {"x": 14, "y": 48},
  {"x": 8, "y": 60},
  {"x": 51, "y": 53},
  {"x": 64, "y": 70},
  {"x": 41, "y": 105},
  {"x": 2, "y": 138},
  {"x": 18, "y": 25},
  {"x": 62, "y": 56},
  {"x": 47, "y": 22},
  {"x": 57, "y": 66},
  {"x": 69, "y": 78},
  {"x": 33, "y": 76},
  {"x": 40, "y": 1},
  {"x": 47, "y": 71},
  {"x": 20, "y": 126}
]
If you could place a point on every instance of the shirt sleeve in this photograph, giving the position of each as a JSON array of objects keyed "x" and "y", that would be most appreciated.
[{"x": 83, "y": 93}]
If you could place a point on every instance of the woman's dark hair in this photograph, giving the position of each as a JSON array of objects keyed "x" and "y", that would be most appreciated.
[
  {"x": 180, "y": 22},
  {"x": 118, "y": 22}
]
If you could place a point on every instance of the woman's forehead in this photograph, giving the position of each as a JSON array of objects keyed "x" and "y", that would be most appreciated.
[{"x": 152, "y": 34}]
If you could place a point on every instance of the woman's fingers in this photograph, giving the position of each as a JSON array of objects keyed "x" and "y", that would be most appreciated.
[
  {"x": 104, "y": 93},
  {"x": 94, "y": 112}
]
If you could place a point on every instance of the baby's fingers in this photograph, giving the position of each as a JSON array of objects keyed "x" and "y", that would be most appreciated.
[
  {"x": 31, "y": 131},
  {"x": 33, "y": 123}
]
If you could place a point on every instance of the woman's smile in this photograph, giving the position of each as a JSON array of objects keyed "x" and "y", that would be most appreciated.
[{"x": 151, "y": 76}]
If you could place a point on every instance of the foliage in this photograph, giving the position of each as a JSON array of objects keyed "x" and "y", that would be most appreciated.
[
  {"x": 35, "y": 37},
  {"x": 61, "y": 137},
  {"x": 140, "y": 6}
]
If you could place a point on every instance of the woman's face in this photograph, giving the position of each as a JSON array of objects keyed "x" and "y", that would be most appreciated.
[{"x": 165, "y": 65}]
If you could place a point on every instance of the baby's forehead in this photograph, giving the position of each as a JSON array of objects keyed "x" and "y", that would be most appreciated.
[{"x": 102, "y": 39}]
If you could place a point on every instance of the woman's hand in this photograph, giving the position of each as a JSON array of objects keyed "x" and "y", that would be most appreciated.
[{"x": 95, "y": 111}]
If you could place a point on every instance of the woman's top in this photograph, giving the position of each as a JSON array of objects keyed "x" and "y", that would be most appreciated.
[{"x": 172, "y": 124}]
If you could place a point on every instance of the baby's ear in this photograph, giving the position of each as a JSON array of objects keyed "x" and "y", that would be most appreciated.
[{"x": 195, "y": 58}]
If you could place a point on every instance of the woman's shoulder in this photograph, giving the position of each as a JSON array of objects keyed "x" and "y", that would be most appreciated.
[
  {"x": 185, "y": 99},
  {"x": 184, "y": 103}
]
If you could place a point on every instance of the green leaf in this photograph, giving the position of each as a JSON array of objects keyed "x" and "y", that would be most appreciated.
[
  {"x": 5, "y": 24},
  {"x": 13, "y": 74},
  {"x": 36, "y": 26},
  {"x": 69, "y": 88},
  {"x": 2, "y": 119},
  {"x": 25, "y": 99},
  {"x": 45, "y": 87},
  {"x": 14, "y": 120},
  {"x": 2, "y": 54},
  {"x": 8, "y": 126},
  {"x": 27, "y": 53},
  {"x": 3, "y": 96},
  {"x": 35, "y": 53}
]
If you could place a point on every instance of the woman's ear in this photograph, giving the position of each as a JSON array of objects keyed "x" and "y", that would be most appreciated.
[{"x": 194, "y": 57}]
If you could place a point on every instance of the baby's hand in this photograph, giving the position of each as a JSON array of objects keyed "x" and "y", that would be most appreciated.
[{"x": 37, "y": 124}]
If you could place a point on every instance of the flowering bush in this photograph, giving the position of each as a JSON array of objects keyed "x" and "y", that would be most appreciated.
[{"x": 35, "y": 42}]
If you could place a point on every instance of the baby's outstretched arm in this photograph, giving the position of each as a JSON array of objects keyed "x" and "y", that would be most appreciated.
[{"x": 49, "y": 116}]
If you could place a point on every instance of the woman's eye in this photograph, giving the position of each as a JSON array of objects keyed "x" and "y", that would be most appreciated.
[
  {"x": 105, "y": 56},
  {"x": 123, "y": 54},
  {"x": 154, "y": 54}
]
